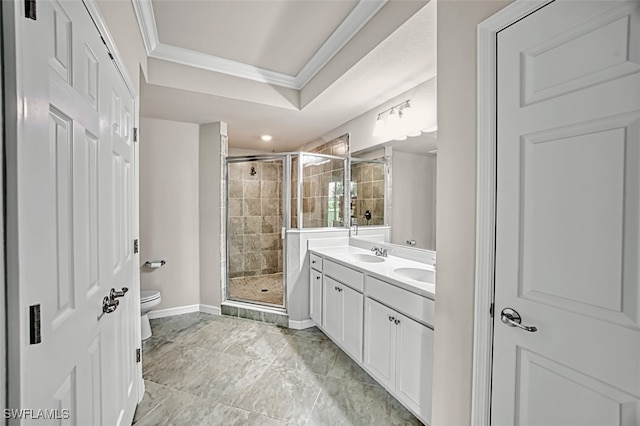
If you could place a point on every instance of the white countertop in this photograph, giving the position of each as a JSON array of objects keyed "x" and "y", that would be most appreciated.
[{"x": 381, "y": 270}]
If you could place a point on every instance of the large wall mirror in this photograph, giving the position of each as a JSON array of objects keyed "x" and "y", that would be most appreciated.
[{"x": 410, "y": 181}]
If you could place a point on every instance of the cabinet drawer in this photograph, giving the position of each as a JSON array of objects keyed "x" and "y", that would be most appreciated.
[
  {"x": 411, "y": 304},
  {"x": 348, "y": 276},
  {"x": 315, "y": 261}
]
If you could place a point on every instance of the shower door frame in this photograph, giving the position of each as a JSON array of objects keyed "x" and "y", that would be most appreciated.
[{"x": 286, "y": 221}]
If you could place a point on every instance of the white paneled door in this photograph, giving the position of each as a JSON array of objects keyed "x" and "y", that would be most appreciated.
[
  {"x": 568, "y": 213},
  {"x": 75, "y": 220}
]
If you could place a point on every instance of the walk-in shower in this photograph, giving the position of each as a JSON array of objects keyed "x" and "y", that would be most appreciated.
[{"x": 270, "y": 194}]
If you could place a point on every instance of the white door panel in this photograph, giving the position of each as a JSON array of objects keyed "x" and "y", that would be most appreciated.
[
  {"x": 67, "y": 223},
  {"x": 568, "y": 212}
]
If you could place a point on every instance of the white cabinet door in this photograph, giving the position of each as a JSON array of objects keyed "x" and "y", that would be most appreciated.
[
  {"x": 332, "y": 308},
  {"x": 315, "y": 302},
  {"x": 379, "y": 342},
  {"x": 351, "y": 331},
  {"x": 414, "y": 365}
]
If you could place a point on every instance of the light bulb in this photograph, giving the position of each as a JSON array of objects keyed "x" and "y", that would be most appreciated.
[
  {"x": 380, "y": 127},
  {"x": 407, "y": 112}
]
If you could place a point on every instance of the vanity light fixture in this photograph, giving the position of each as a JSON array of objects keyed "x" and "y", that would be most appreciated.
[
  {"x": 393, "y": 122},
  {"x": 266, "y": 138}
]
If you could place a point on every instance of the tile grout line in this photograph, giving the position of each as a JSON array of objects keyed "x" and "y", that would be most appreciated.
[
  {"x": 316, "y": 400},
  {"x": 243, "y": 394}
]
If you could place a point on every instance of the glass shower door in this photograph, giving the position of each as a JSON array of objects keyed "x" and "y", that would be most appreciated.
[{"x": 254, "y": 230}]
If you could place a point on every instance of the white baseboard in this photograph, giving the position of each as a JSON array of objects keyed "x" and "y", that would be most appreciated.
[
  {"x": 208, "y": 309},
  {"x": 161, "y": 313},
  {"x": 301, "y": 325}
]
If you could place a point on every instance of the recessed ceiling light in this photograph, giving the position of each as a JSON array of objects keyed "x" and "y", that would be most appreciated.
[{"x": 266, "y": 138}]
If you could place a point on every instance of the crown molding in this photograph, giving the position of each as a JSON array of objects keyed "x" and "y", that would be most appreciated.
[
  {"x": 147, "y": 24},
  {"x": 359, "y": 16},
  {"x": 225, "y": 66},
  {"x": 352, "y": 24}
]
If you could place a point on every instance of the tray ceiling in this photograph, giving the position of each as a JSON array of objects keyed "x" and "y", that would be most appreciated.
[{"x": 296, "y": 69}]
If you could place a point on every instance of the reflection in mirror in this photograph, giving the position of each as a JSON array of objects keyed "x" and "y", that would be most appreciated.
[
  {"x": 368, "y": 191},
  {"x": 411, "y": 203}
]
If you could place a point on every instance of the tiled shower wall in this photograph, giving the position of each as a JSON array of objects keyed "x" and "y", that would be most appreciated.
[
  {"x": 367, "y": 193},
  {"x": 316, "y": 196},
  {"x": 255, "y": 218}
]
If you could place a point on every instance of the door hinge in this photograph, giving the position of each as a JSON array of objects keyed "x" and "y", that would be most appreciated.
[
  {"x": 30, "y": 9},
  {"x": 138, "y": 355},
  {"x": 491, "y": 310},
  {"x": 135, "y": 246},
  {"x": 35, "y": 336},
  {"x": 135, "y": 134}
]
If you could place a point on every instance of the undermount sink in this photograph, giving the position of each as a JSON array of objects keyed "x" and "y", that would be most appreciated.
[
  {"x": 417, "y": 274},
  {"x": 368, "y": 258}
]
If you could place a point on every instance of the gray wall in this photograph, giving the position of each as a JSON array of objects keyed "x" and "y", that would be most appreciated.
[
  {"x": 456, "y": 186},
  {"x": 169, "y": 225},
  {"x": 413, "y": 199},
  {"x": 209, "y": 164}
]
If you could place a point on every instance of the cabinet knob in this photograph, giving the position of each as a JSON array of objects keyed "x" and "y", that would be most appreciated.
[
  {"x": 317, "y": 277},
  {"x": 391, "y": 318},
  {"x": 396, "y": 321},
  {"x": 313, "y": 261}
]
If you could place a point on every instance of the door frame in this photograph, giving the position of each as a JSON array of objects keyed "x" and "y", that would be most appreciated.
[
  {"x": 486, "y": 180},
  {"x": 14, "y": 320}
]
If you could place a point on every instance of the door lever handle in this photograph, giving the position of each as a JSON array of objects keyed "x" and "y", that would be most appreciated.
[
  {"x": 108, "y": 306},
  {"x": 512, "y": 318},
  {"x": 113, "y": 294}
]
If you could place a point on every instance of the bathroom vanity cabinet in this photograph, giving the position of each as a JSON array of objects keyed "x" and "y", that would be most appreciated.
[
  {"x": 342, "y": 310},
  {"x": 337, "y": 304},
  {"x": 386, "y": 329},
  {"x": 397, "y": 353}
]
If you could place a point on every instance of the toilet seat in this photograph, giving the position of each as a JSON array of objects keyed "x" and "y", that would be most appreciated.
[{"x": 149, "y": 295}]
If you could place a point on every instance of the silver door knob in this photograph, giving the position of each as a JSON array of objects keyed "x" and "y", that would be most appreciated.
[
  {"x": 114, "y": 294},
  {"x": 512, "y": 318}
]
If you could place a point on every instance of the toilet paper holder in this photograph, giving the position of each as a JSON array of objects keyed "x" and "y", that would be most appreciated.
[{"x": 154, "y": 263}]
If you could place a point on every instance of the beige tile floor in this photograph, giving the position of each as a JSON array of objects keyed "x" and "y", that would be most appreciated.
[
  {"x": 259, "y": 288},
  {"x": 202, "y": 369}
]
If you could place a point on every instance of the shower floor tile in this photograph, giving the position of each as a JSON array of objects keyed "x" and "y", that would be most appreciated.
[
  {"x": 195, "y": 378},
  {"x": 259, "y": 288}
]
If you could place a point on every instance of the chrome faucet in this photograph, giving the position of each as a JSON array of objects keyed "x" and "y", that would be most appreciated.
[{"x": 379, "y": 251}]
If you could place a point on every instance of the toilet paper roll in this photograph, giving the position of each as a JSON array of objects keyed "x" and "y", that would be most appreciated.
[{"x": 155, "y": 263}]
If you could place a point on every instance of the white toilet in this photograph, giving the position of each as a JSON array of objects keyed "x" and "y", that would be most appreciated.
[{"x": 148, "y": 299}]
